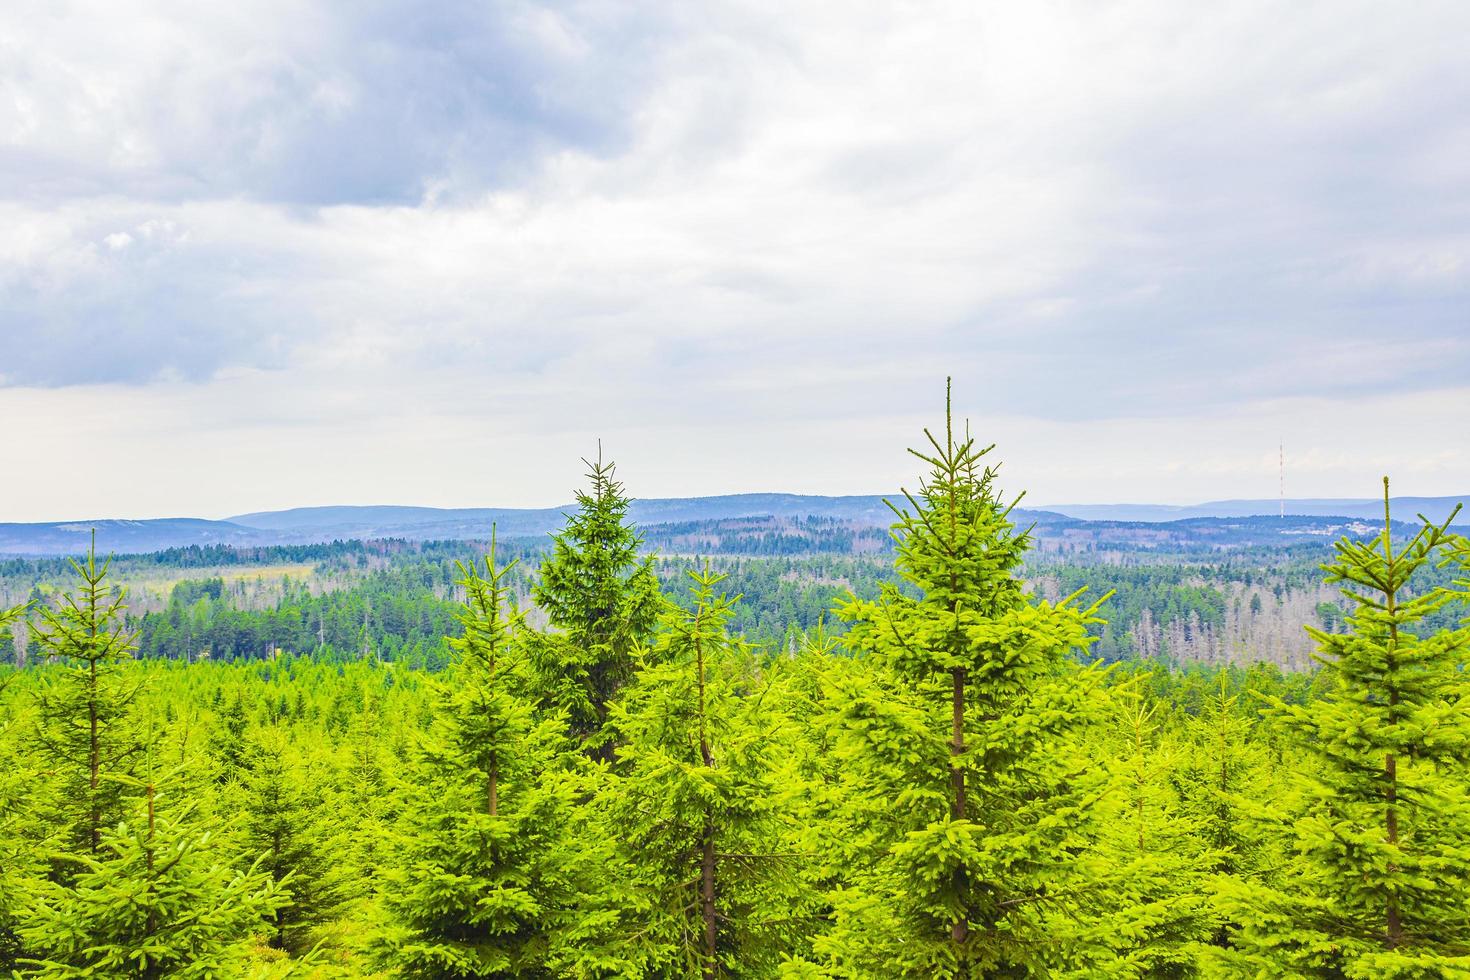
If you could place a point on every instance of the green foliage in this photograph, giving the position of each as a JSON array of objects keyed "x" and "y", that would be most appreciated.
[
  {"x": 602, "y": 601},
  {"x": 1381, "y": 830},
  {"x": 285, "y": 834},
  {"x": 22, "y": 838},
  {"x": 696, "y": 812},
  {"x": 484, "y": 870},
  {"x": 84, "y": 722},
  {"x": 156, "y": 900},
  {"x": 1156, "y": 851},
  {"x": 962, "y": 744}
]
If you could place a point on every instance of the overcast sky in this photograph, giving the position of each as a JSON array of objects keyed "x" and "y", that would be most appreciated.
[{"x": 276, "y": 253}]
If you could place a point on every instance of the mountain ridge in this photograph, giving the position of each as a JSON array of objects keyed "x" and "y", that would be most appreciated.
[{"x": 308, "y": 525}]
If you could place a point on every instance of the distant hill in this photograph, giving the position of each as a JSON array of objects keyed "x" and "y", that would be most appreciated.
[
  {"x": 305, "y": 525},
  {"x": 1226, "y": 523},
  {"x": 863, "y": 509},
  {"x": 124, "y": 537},
  {"x": 1404, "y": 508}
]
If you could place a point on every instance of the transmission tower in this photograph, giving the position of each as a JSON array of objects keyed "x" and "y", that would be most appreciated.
[{"x": 1281, "y": 474}]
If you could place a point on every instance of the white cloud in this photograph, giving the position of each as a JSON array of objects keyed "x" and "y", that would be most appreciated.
[{"x": 305, "y": 234}]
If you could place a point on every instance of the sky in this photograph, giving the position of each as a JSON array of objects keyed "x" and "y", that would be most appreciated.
[{"x": 281, "y": 253}]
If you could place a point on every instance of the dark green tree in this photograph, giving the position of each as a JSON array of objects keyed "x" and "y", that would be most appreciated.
[
  {"x": 602, "y": 601},
  {"x": 227, "y": 743}
]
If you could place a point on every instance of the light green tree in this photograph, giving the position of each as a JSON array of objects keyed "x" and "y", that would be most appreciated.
[
  {"x": 85, "y": 724},
  {"x": 158, "y": 899},
  {"x": 1152, "y": 910},
  {"x": 485, "y": 877},
  {"x": 285, "y": 835},
  {"x": 711, "y": 892},
  {"x": 1381, "y": 828},
  {"x": 23, "y": 837},
  {"x": 969, "y": 795}
]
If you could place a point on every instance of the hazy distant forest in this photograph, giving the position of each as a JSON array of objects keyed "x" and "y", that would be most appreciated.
[{"x": 742, "y": 749}]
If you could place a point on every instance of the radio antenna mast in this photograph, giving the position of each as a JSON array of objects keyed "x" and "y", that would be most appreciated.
[{"x": 1281, "y": 473}]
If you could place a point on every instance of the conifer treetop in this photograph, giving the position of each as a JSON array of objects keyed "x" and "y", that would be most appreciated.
[{"x": 87, "y": 626}]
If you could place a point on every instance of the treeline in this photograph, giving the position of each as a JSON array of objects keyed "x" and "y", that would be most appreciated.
[
  {"x": 607, "y": 782},
  {"x": 401, "y": 605}
]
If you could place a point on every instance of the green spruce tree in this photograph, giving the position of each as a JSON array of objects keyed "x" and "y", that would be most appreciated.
[
  {"x": 602, "y": 601},
  {"x": 697, "y": 809},
  {"x": 1381, "y": 832},
  {"x": 484, "y": 873},
  {"x": 1229, "y": 789},
  {"x": 969, "y": 802},
  {"x": 284, "y": 836},
  {"x": 1154, "y": 852},
  {"x": 86, "y": 729}
]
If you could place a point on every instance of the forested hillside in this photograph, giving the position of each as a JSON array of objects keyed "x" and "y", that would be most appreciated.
[
  {"x": 783, "y": 747},
  {"x": 396, "y": 600}
]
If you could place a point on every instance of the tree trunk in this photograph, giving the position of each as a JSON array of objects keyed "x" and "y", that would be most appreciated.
[
  {"x": 492, "y": 803},
  {"x": 707, "y": 902},
  {"x": 707, "y": 855},
  {"x": 1394, "y": 929},
  {"x": 960, "y": 931}
]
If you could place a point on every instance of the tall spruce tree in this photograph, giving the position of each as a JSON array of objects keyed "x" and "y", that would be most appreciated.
[
  {"x": 1382, "y": 831},
  {"x": 484, "y": 873},
  {"x": 602, "y": 601},
  {"x": 969, "y": 799},
  {"x": 696, "y": 811},
  {"x": 86, "y": 727}
]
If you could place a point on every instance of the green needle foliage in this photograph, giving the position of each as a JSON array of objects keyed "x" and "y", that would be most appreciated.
[
  {"x": 1381, "y": 869},
  {"x": 602, "y": 601},
  {"x": 284, "y": 835},
  {"x": 962, "y": 744},
  {"x": 85, "y": 725},
  {"x": 936, "y": 787},
  {"x": 1225, "y": 779},
  {"x": 159, "y": 899},
  {"x": 485, "y": 870},
  {"x": 22, "y": 840},
  {"x": 713, "y": 894},
  {"x": 1156, "y": 854}
]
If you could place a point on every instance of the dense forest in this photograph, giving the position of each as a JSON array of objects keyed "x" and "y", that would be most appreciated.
[
  {"x": 397, "y": 600},
  {"x": 792, "y": 751}
]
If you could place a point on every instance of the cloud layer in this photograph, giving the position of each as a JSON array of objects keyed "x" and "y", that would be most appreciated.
[{"x": 299, "y": 225}]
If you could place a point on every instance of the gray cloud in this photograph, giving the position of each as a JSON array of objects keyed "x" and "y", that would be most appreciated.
[
  {"x": 310, "y": 103},
  {"x": 526, "y": 214}
]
